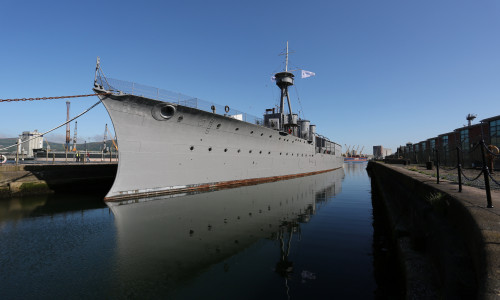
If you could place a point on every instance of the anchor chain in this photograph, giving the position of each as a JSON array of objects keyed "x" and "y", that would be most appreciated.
[{"x": 50, "y": 98}]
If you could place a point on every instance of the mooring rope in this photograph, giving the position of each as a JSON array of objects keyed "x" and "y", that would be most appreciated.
[{"x": 87, "y": 110}]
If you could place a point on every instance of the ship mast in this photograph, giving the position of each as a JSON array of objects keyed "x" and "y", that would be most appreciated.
[
  {"x": 286, "y": 60},
  {"x": 283, "y": 81}
]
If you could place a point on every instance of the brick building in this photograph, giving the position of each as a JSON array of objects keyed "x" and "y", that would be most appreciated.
[{"x": 462, "y": 142}]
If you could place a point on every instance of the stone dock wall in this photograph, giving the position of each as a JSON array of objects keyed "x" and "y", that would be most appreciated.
[
  {"x": 448, "y": 242},
  {"x": 32, "y": 179}
]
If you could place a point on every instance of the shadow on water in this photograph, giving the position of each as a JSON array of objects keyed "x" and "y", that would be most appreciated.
[
  {"x": 46, "y": 205},
  {"x": 387, "y": 271}
]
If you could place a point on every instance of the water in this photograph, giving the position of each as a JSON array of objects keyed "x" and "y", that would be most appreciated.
[{"x": 310, "y": 237}]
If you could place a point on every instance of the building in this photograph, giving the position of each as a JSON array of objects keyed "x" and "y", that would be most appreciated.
[
  {"x": 379, "y": 152},
  {"x": 460, "y": 145},
  {"x": 29, "y": 141}
]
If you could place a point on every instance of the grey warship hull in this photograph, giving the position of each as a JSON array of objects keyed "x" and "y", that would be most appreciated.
[
  {"x": 167, "y": 147},
  {"x": 168, "y": 143}
]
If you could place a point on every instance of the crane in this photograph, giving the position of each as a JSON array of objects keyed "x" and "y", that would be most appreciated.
[
  {"x": 74, "y": 138},
  {"x": 347, "y": 151},
  {"x": 361, "y": 150},
  {"x": 106, "y": 131},
  {"x": 104, "y": 139}
]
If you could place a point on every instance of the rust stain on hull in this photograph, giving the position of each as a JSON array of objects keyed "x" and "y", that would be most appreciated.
[{"x": 213, "y": 186}]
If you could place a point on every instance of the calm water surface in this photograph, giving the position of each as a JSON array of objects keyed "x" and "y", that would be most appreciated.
[{"x": 311, "y": 237}]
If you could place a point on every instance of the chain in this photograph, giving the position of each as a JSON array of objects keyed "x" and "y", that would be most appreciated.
[
  {"x": 494, "y": 179},
  {"x": 50, "y": 98},
  {"x": 468, "y": 179}
]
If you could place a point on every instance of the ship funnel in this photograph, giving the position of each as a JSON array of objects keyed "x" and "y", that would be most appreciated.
[
  {"x": 312, "y": 131},
  {"x": 304, "y": 129}
]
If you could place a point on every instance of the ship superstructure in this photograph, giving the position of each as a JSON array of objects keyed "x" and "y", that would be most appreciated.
[{"x": 171, "y": 143}]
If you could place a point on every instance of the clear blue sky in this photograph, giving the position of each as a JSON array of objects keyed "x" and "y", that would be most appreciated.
[{"x": 387, "y": 72}]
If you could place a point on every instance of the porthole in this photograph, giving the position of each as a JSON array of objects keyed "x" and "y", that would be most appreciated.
[
  {"x": 269, "y": 152},
  {"x": 218, "y": 126},
  {"x": 270, "y": 136},
  {"x": 287, "y": 153},
  {"x": 251, "y": 132},
  {"x": 239, "y": 150},
  {"x": 191, "y": 148},
  {"x": 250, "y": 151},
  {"x": 260, "y": 152},
  {"x": 225, "y": 150},
  {"x": 210, "y": 149},
  {"x": 180, "y": 118},
  {"x": 261, "y": 134},
  {"x": 237, "y": 129}
]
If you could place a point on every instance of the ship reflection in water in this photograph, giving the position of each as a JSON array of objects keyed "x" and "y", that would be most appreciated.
[
  {"x": 305, "y": 238},
  {"x": 166, "y": 242}
]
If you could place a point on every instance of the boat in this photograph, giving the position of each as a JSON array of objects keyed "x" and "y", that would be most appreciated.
[
  {"x": 355, "y": 159},
  {"x": 172, "y": 143}
]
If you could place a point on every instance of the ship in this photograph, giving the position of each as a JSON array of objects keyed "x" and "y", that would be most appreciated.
[
  {"x": 172, "y": 143},
  {"x": 355, "y": 159}
]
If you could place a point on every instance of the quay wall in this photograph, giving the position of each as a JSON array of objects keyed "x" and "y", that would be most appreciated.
[
  {"x": 448, "y": 242},
  {"x": 33, "y": 179}
]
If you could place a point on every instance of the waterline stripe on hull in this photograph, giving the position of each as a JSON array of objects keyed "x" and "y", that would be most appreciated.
[{"x": 212, "y": 186}]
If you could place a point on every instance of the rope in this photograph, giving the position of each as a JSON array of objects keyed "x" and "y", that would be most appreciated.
[
  {"x": 49, "y": 98},
  {"x": 54, "y": 127}
]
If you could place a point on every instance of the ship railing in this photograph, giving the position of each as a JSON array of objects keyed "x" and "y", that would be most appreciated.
[{"x": 120, "y": 86}]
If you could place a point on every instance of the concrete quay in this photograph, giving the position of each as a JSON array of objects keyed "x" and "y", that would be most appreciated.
[
  {"x": 35, "y": 179},
  {"x": 448, "y": 241}
]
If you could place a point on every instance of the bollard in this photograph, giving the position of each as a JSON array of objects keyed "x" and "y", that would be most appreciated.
[
  {"x": 486, "y": 176},
  {"x": 437, "y": 165},
  {"x": 459, "y": 168}
]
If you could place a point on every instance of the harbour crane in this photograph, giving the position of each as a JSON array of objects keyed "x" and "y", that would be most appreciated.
[
  {"x": 104, "y": 139},
  {"x": 74, "y": 138},
  {"x": 106, "y": 131},
  {"x": 347, "y": 151},
  {"x": 361, "y": 150}
]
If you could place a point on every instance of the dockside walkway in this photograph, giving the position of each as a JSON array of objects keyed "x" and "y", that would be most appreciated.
[{"x": 465, "y": 212}]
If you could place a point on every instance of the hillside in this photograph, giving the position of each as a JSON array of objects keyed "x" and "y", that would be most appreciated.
[{"x": 95, "y": 146}]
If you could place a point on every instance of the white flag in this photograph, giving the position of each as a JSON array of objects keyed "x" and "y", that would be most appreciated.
[{"x": 306, "y": 74}]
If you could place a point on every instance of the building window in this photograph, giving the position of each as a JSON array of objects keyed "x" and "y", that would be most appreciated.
[
  {"x": 433, "y": 144},
  {"x": 444, "y": 142},
  {"x": 495, "y": 132},
  {"x": 464, "y": 139}
]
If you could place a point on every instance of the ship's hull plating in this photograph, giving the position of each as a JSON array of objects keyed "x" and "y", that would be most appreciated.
[{"x": 195, "y": 149}]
